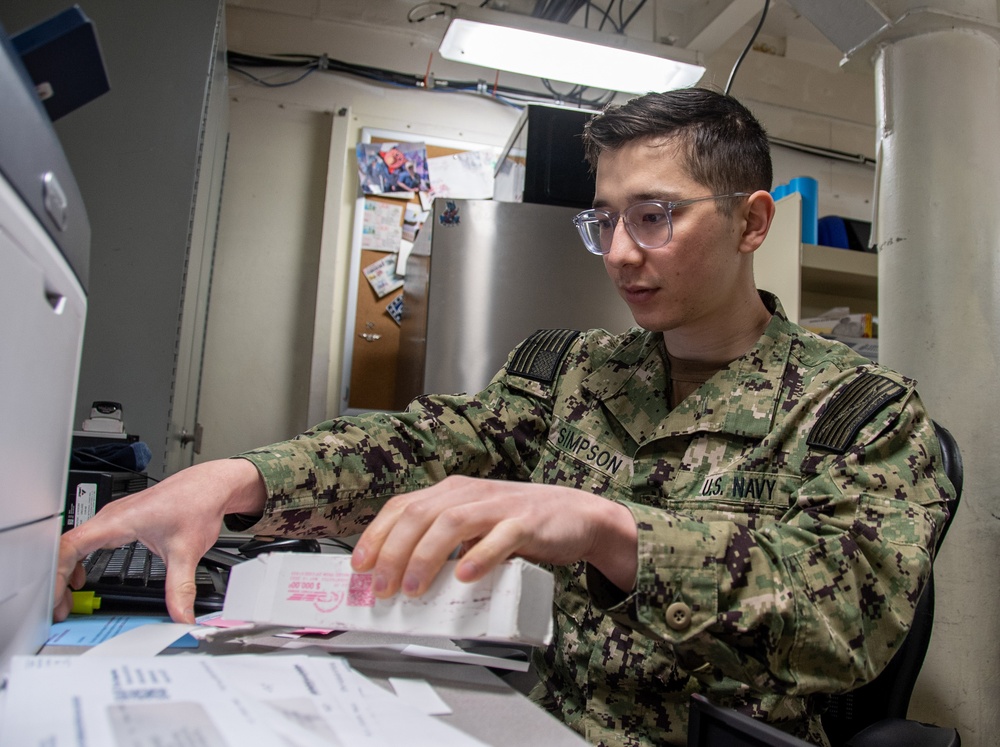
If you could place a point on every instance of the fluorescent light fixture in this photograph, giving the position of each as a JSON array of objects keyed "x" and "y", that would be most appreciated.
[{"x": 570, "y": 54}]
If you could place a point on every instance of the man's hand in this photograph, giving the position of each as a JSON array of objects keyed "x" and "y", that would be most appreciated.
[
  {"x": 178, "y": 519},
  {"x": 414, "y": 534}
]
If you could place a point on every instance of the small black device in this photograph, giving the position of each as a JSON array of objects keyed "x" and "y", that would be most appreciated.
[
  {"x": 543, "y": 161},
  {"x": 63, "y": 58},
  {"x": 88, "y": 491}
]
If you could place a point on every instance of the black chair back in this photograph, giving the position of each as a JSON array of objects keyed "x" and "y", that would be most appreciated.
[{"x": 888, "y": 695}]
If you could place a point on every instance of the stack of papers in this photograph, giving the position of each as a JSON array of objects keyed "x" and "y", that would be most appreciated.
[
  {"x": 211, "y": 701},
  {"x": 511, "y": 604}
]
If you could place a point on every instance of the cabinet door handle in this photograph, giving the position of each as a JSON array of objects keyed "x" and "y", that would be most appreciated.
[
  {"x": 192, "y": 438},
  {"x": 370, "y": 336}
]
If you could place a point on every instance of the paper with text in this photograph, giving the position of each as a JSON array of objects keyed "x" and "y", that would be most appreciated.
[{"x": 222, "y": 701}]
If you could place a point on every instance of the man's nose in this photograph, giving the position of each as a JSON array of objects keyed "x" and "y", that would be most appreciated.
[{"x": 623, "y": 249}]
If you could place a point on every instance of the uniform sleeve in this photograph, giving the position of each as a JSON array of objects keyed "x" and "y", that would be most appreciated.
[
  {"x": 817, "y": 601},
  {"x": 333, "y": 479}
]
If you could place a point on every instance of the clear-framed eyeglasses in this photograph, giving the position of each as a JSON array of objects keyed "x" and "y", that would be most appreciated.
[{"x": 649, "y": 223}]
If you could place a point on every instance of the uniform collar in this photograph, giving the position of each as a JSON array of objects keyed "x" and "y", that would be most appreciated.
[{"x": 740, "y": 399}]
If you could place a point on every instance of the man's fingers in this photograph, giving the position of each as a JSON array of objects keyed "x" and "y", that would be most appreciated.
[
  {"x": 463, "y": 526},
  {"x": 396, "y": 541},
  {"x": 180, "y": 589},
  {"x": 63, "y": 603},
  {"x": 78, "y": 577},
  {"x": 65, "y": 584},
  {"x": 70, "y": 555},
  {"x": 427, "y": 534},
  {"x": 69, "y": 575},
  {"x": 412, "y": 537},
  {"x": 414, "y": 512},
  {"x": 503, "y": 541},
  {"x": 82, "y": 540}
]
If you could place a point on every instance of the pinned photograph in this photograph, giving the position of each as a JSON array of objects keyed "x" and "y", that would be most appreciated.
[
  {"x": 395, "y": 309},
  {"x": 382, "y": 276},
  {"x": 393, "y": 168}
]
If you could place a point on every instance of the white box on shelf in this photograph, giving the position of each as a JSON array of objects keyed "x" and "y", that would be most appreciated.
[{"x": 513, "y": 604}]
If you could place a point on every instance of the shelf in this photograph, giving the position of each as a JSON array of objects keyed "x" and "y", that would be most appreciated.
[
  {"x": 839, "y": 272},
  {"x": 811, "y": 279}
]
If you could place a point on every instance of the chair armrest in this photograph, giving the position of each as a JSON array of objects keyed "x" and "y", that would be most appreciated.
[{"x": 893, "y": 732}]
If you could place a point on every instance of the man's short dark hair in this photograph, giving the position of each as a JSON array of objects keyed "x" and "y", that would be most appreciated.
[{"x": 724, "y": 146}]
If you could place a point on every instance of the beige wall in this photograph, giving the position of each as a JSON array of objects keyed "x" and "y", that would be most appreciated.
[{"x": 264, "y": 281}]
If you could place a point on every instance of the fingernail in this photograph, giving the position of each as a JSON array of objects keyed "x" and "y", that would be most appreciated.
[
  {"x": 358, "y": 557},
  {"x": 411, "y": 583},
  {"x": 467, "y": 570},
  {"x": 379, "y": 583}
]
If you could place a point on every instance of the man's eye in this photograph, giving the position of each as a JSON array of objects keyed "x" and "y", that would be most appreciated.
[{"x": 652, "y": 217}]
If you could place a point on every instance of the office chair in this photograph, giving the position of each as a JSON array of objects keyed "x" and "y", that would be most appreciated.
[
  {"x": 874, "y": 715},
  {"x": 710, "y": 725}
]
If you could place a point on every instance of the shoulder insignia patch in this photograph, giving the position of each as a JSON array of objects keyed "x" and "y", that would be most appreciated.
[
  {"x": 850, "y": 409},
  {"x": 539, "y": 356}
]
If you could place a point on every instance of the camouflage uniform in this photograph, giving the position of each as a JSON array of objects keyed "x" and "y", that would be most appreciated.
[{"x": 786, "y": 515}]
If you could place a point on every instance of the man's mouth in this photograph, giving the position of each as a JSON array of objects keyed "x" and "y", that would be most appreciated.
[{"x": 637, "y": 293}]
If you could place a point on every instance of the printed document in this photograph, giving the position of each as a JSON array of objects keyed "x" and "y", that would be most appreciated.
[{"x": 210, "y": 701}]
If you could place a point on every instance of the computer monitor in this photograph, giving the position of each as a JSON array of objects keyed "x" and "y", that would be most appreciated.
[
  {"x": 44, "y": 246},
  {"x": 714, "y": 726}
]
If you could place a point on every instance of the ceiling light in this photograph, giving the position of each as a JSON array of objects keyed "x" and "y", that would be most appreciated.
[{"x": 570, "y": 54}]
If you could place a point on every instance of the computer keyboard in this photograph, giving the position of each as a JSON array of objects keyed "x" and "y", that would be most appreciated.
[{"x": 132, "y": 576}]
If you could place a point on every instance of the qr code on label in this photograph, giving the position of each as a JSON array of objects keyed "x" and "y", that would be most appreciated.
[{"x": 359, "y": 591}]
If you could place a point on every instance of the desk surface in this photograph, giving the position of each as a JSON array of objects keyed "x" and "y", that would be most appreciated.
[{"x": 483, "y": 705}]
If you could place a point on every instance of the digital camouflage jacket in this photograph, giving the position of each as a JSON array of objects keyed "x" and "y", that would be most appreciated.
[{"x": 787, "y": 513}]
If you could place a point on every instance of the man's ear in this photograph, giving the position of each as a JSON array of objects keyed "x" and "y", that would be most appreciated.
[{"x": 758, "y": 212}]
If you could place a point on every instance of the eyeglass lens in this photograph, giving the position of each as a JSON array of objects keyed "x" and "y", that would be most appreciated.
[{"x": 648, "y": 223}]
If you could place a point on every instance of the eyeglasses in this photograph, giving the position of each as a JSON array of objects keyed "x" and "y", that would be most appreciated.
[{"x": 649, "y": 223}]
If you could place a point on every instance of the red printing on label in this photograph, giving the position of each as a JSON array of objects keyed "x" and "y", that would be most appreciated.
[
  {"x": 360, "y": 592},
  {"x": 327, "y": 591},
  {"x": 324, "y": 601}
]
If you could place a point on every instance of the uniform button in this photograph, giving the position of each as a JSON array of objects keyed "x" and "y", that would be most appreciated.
[{"x": 679, "y": 616}]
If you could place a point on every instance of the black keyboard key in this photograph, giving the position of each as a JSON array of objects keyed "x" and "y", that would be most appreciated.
[
  {"x": 136, "y": 570},
  {"x": 157, "y": 577}
]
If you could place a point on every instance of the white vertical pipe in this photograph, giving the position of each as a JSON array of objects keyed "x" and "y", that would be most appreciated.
[{"x": 938, "y": 233}]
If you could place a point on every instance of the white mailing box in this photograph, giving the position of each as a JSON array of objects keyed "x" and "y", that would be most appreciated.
[{"x": 512, "y": 604}]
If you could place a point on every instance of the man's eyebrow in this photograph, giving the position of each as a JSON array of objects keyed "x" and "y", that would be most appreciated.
[{"x": 640, "y": 197}]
